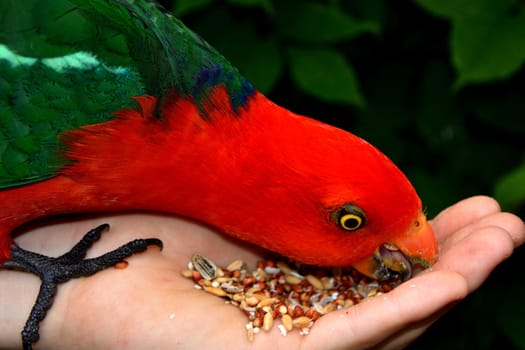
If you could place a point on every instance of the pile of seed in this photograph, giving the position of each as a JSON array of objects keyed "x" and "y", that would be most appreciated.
[{"x": 297, "y": 296}]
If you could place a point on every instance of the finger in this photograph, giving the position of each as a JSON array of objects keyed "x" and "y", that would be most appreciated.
[
  {"x": 477, "y": 254},
  {"x": 512, "y": 224},
  {"x": 499, "y": 248},
  {"x": 371, "y": 322},
  {"x": 461, "y": 214}
]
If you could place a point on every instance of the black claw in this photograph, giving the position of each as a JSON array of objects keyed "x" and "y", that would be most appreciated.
[
  {"x": 79, "y": 250},
  {"x": 155, "y": 241},
  {"x": 53, "y": 271}
]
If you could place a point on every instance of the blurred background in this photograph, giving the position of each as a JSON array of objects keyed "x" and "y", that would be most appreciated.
[{"x": 438, "y": 85}]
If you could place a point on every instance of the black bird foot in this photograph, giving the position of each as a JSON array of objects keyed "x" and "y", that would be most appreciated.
[{"x": 53, "y": 271}]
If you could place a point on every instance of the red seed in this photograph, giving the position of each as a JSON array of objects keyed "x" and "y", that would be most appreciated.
[
  {"x": 196, "y": 276},
  {"x": 121, "y": 265},
  {"x": 298, "y": 311}
]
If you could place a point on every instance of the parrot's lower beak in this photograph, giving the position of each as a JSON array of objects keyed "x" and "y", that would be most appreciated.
[{"x": 418, "y": 246}]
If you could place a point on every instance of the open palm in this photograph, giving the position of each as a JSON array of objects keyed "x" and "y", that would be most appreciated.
[{"x": 149, "y": 305}]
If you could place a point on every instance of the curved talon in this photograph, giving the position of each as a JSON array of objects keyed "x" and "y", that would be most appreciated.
[{"x": 155, "y": 241}]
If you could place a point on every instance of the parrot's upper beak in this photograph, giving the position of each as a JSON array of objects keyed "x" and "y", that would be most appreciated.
[{"x": 418, "y": 246}]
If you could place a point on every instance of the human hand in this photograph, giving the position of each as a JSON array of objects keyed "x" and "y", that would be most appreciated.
[{"x": 150, "y": 305}]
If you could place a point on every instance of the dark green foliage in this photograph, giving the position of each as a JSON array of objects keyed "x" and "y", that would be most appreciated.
[{"x": 438, "y": 85}]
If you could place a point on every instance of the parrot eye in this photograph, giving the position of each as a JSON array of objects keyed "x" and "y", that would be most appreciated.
[{"x": 349, "y": 217}]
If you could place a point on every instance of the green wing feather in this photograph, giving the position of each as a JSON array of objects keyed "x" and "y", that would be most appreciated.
[{"x": 69, "y": 63}]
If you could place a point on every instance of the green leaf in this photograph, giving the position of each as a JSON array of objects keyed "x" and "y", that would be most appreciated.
[
  {"x": 510, "y": 190},
  {"x": 325, "y": 74},
  {"x": 447, "y": 8},
  {"x": 314, "y": 22},
  {"x": 488, "y": 47},
  {"x": 486, "y": 38}
]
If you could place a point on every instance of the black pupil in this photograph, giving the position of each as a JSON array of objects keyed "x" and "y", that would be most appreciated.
[{"x": 351, "y": 223}]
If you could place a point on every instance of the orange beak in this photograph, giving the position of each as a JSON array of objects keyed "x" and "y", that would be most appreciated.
[{"x": 418, "y": 246}]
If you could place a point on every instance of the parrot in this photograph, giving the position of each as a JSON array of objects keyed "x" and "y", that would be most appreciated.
[{"x": 115, "y": 105}]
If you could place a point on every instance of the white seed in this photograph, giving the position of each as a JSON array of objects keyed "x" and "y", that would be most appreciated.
[
  {"x": 266, "y": 301},
  {"x": 304, "y": 331},
  {"x": 267, "y": 321},
  {"x": 267, "y": 308},
  {"x": 283, "y": 330},
  {"x": 272, "y": 270},
  {"x": 232, "y": 289},
  {"x": 314, "y": 281},
  {"x": 296, "y": 274},
  {"x": 372, "y": 293},
  {"x": 327, "y": 308},
  {"x": 284, "y": 268},
  {"x": 260, "y": 274},
  {"x": 215, "y": 291},
  {"x": 291, "y": 279},
  {"x": 328, "y": 283},
  {"x": 250, "y": 334},
  {"x": 235, "y": 265},
  {"x": 187, "y": 273},
  {"x": 287, "y": 322},
  {"x": 348, "y": 303},
  {"x": 238, "y": 297},
  {"x": 224, "y": 279},
  {"x": 252, "y": 291},
  {"x": 252, "y": 301},
  {"x": 301, "y": 322},
  {"x": 282, "y": 309}
]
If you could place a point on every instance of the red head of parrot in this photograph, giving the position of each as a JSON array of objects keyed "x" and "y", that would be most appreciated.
[{"x": 293, "y": 185}]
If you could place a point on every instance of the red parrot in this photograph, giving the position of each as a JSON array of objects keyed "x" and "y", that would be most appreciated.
[{"x": 200, "y": 142}]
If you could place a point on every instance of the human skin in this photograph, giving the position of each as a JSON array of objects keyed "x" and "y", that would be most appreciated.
[{"x": 149, "y": 305}]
